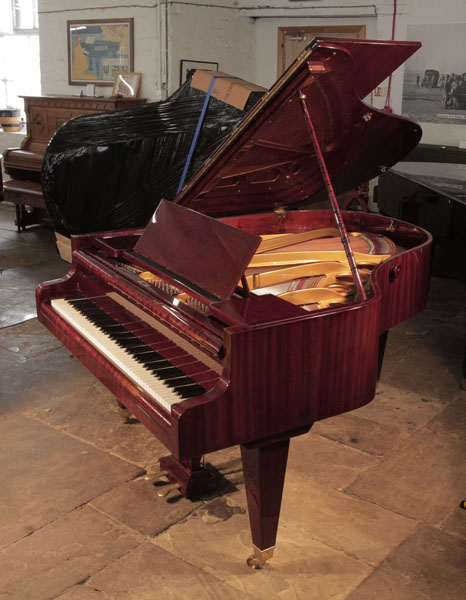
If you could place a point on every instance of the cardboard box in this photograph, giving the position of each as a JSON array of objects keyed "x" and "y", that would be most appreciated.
[
  {"x": 229, "y": 89},
  {"x": 63, "y": 246}
]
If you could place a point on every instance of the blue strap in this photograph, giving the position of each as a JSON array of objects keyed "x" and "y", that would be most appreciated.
[{"x": 196, "y": 135}]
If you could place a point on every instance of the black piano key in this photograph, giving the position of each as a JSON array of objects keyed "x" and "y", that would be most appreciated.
[
  {"x": 157, "y": 364},
  {"x": 141, "y": 351},
  {"x": 112, "y": 329},
  {"x": 102, "y": 319},
  {"x": 90, "y": 310},
  {"x": 151, "y": 360},
  {"x": 81, "y": 302},
  {"x": 123, "y": 336},
  {"x": 189, "y": 391},
  {"x": 148, "y": 357},
  {"x": 128, "y": 345},
  {"x": 179, "y": 382},
  {"x": 167, "y": 373}
]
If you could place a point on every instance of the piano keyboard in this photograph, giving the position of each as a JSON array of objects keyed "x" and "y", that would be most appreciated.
[{"x": 150, "y": 356}]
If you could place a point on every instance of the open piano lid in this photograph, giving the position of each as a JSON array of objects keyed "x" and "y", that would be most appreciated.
[{"x": 269, "y": 161}]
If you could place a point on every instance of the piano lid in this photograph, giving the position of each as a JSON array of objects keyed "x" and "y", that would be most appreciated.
[{"x": 269, "y": 161}]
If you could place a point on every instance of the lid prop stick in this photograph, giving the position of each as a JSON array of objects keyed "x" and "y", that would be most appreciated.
[{"x": 361, "y": 294}]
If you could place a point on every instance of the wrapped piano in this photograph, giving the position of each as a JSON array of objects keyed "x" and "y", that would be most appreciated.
[
  {"x": 233, "y": 318},
  {"x": 44, "y": 115}
]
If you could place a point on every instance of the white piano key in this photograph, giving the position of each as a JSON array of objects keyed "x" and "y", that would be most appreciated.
[{"x": 152, "y": 385}]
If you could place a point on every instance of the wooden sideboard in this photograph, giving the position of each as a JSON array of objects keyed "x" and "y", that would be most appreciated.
[{"x": 44, "y": 115}]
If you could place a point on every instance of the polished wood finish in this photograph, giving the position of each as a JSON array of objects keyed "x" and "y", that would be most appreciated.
[
  {"x": 193, "y": 246},
  {"x": 280, "y": 367},
  {"x": 269, "y": 161},
  {"x": 264, "y": 468},
  {"x": 44, "y": 115},
  {"x": 330, "y": 367}
]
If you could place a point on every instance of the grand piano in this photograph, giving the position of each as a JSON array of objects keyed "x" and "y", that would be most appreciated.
[{"x": 233, "y": 318}]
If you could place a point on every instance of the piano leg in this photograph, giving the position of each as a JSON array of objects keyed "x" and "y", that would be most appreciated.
[
  {"x": 124, "y": 412},
  {"x": 382, "y": 345},
  {"x": 264, "y": 467}
]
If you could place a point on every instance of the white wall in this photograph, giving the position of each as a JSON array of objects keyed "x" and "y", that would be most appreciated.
[
  {"x": 53, "y": 15},
  {"x": 198, "y": 32},
  {"x": 377, "y": 16},
  {"x": 239, "y": 34}
]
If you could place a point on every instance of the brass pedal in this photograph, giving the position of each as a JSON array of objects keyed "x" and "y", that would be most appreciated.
[
  {"x": 157, "y": 476},
  {"x": 167, "y": 489}
]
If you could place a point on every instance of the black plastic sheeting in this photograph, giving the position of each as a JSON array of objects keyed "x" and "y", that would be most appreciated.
[{"x": 109, "y": 171}]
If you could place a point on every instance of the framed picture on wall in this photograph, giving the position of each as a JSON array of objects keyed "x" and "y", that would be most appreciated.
[
  {"x": 126, "y": 85},
  {"x": 188, "y": 65},
  {"x": 98, "y": 49}
]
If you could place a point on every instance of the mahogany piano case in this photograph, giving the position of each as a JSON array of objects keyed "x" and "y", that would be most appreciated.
[{"x": 187, "y": 322}]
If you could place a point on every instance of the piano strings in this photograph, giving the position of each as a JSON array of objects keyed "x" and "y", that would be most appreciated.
[{"x": 309, "y": 268}]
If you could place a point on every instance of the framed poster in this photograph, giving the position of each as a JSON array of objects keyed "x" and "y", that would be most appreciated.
[
  {"x": 434, "y": 85},
  {"x": 98, "y": 49},
  {"x": 126, "y": 85},
  {"x": 188, "y": 65}
]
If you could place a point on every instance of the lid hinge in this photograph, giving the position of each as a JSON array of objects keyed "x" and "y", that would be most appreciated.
[{"x": 280, "y": 211}]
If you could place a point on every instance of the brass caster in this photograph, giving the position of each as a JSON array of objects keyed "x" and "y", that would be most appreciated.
[
  {"x": 254, "y": 563},
  {"x": 463, "y": 504},
  {"x": 258, "y": 559},
  {"x": 167, "y": 489}
]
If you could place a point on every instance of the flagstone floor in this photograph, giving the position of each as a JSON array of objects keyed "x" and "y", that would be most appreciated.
[{"x": 371, "y": 502}]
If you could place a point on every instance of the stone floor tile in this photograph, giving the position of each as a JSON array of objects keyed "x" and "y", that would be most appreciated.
[
  {"x": 62, "y": 554},
  {"x": 15, "y": 251},
  {"x": 456, "y": 522},
  {"x": 18, "y": 289},
  {"x": 137, "y": 505},
  {"x": 91, "y": 414},
  {"x": 439, "y": 376},
  {"x": 151, "y": 572},
  {"x": 359, "y": 528},
  {"x": 28, "y": 339},
  {"x": 429, "y": 565},
  {"x": 362, "y": 434},
  {"x": 452, "y": 420},
  {"x": 327, "y": 461},
  {"x": 400, "y": 408},
  {"x": 82, "y": 592},
  {"x": 37, "y": 380},
  {"x": 45, "y": 473},
  {"x": 7, "y": 216},
  {"x": 384, "y": 586},
  {"x": 8, "y": 358},
  {"x": 229, "y": 469},
  {"x": 302, "y": 568},
  {"x": 424, "y": 478}
]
